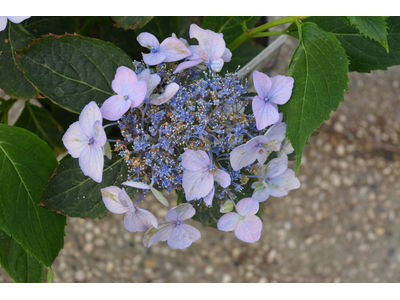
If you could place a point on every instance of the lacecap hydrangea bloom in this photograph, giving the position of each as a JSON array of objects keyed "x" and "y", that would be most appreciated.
[{"x": 184, "y": 128}]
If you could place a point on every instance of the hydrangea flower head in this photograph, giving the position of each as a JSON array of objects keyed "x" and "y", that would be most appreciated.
[
  {"x": 118, "y": 202},
  {"x": 271, "y": 92},
  {"x": 199, "y": 175},
  {"x": 85, "y": 139},
  {"x": 211, "y": 50},
  {"x": 3, "y": 21},
  {"x": 131, "y": 93},
  {"x": 170, "y": 50},
  {"x": 259, "y": 147},
  {"x": 278, "y": 180},
  {"x": 174, "y": 230},
  {"x": 245, "y": 223}
]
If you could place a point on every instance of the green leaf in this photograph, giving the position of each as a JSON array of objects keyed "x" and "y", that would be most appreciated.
[
  {"x": 64, "y": 117},
  {"x": 5, "y": 106},
  {"x": 11, "y": 78},
  {"x": 228, "y": 26},
  {"x": 364, "y": 54},
  {"x": 319, "y": 67},
  {"x": 20, "y": 265},
  {"x": 39, "y": 26},
  {"x": 72, "y": 70},
  {"x": 72, "y": 193},
  {"x": 237, "y": 19},
  {"x": 123, "y": 39},
  {"x": 240, "y": 20},
  {"x": 131, "y": 22},
  {"x": 372, "y": 27},
  {"x": 39, "y": 121},
  {"x": 26, "y": 166},
  {"x": 161, "y": 27}
]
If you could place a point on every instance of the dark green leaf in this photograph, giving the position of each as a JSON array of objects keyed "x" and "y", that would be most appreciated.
[
  {"x": 88, "y": 25},
  {"x": 240, "y": 20},
  {"x": 319, "y": 67},
  {"x": 39, "y": 121},
  {"x": 131, "y": 22},
  {"x": 73, "y": 70},
  {"x": 162, "y": 27},
  {"x": 228, "y": 26},
  {"x": 26, "y": 166},
  {"x": 72, "y": 193},
  {"x": 364, "y": 54},
  {"x": 39, "y": 26},
  {"x": 64, "y": 117},
  {"x": 372, "y": 27},
  {"x": 124, "y": 39},
  {"x": 237, "y": 19},
  {"x": 11, "y": 78},
  {"x": 5, "y": 106},
  {"x": 20, "y": 265}
]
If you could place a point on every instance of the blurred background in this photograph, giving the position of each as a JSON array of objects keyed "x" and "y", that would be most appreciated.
[{"x": 342, "y": 225}]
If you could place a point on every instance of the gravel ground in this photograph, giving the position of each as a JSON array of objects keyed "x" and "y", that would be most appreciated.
[{"x": 342, "y": 225}]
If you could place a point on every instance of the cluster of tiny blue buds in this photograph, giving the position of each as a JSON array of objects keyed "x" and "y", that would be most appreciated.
[{"x": 207, "y": 113}]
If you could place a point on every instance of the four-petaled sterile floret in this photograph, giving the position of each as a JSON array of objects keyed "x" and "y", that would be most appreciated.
[
  {"x": 85, "y": 139},
  {"x": 271, "y": 92},
  {"x": 174, "y": 230},
  {"x": 244, "y": 222}
]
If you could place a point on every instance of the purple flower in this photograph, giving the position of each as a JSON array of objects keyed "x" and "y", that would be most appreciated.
[
  {"x": 152, "y": 80},
  {"x": 211, "y": 50},
  {"x": 85, "y": 139},
  {"x": 278, "y": 180},
  {"x": 118, "y": 202},
  {"x": 199, "y": 175},
  {"x": 246, "y": 224},
  {"x": 139, "y": 185},
  {"x": 3, "y": 21},
  {"x": 271, "y": 91},
  {"x": 171, "y": 49},
  {"x": 131, "y": 93},
  {"x": 178, "y": 234},
  {"x": 258, "y": 148}
]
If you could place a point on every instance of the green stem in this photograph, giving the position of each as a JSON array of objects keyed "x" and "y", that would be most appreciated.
[
  {"x": 299, "y": 29},
  {"x": 50, "y": 275},
  {"x": 244, "y": 25},
  {"x": 257, "y": 31},
  {"x": 269, "y": 33}
]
